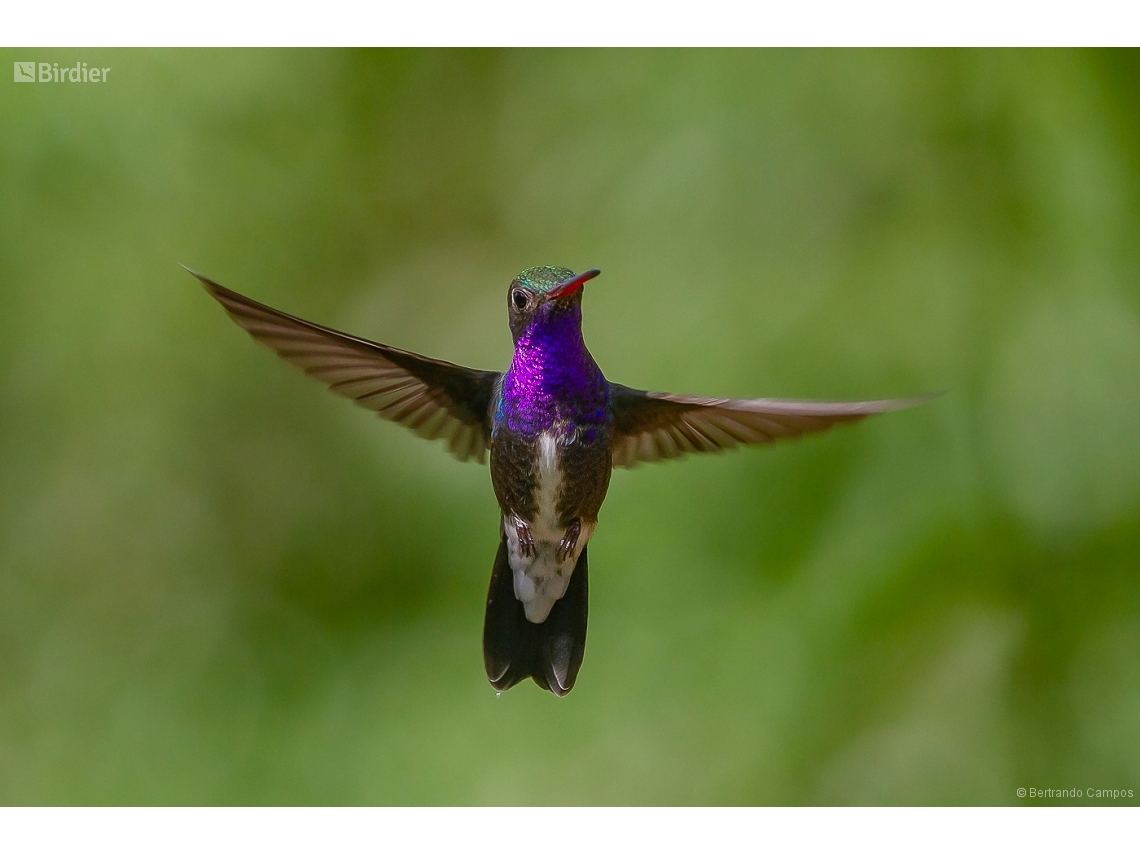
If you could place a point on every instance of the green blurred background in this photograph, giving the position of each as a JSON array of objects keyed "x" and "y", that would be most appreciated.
[{"x": 221, "y": 584}]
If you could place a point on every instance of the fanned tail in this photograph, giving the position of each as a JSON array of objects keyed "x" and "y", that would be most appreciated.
[{"x": 549, "y": 652}]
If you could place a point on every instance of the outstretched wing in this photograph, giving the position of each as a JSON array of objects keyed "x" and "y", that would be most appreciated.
[
  {"x": 436, "y": 399},
  {"x": 651, "y": 426}
]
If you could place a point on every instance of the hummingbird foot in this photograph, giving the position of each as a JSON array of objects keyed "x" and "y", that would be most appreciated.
[
  {"x": 569, "y": 541},
  {"x": 526, "y": 542}
]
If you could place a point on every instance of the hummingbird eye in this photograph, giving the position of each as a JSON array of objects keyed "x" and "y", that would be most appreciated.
[{"x": 519, "y": 299}]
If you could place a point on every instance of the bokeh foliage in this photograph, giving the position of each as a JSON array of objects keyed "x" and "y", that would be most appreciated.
[{"x": 220, "y": 584}]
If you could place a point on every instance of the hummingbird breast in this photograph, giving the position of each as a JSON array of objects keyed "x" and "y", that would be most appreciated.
[{"x": 550, "y": 457}]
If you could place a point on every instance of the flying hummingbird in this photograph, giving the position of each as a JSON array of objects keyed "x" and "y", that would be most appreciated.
[{"x": 555, "y": 428}]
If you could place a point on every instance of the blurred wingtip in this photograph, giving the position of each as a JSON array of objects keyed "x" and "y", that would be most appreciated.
[
  {"x": 895, "y": 404},
  {"x": 209, "y": 284},
  {"x": 919, "y": 400}
]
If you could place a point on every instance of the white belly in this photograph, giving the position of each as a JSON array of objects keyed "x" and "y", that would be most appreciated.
[{"x": 540, "y": 578}]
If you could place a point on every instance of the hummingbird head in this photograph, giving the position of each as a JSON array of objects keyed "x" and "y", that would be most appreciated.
[{"x": 541, "y": 293}]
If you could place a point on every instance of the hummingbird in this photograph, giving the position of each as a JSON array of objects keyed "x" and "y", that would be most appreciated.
[{"x": 555, "y": 428}]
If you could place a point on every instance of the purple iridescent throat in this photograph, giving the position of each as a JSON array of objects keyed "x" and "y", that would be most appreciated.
[{"x": 552, "y": 378}]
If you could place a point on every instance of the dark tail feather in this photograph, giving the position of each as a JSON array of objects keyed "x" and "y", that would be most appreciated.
[
  {"x": 550, "y": 652},
  {"x": 505, "y": 633},
  {"x": 561, "y": 638}
]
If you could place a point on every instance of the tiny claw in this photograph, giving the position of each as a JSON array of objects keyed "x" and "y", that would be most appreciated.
[
  {"x": 526, "y": 543},
  {"x": 569, "y": 541}
]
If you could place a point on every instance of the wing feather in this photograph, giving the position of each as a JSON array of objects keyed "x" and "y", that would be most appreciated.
[
  {"x": 436, "y": 399},
  {"x": 650, "y": 426}
]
